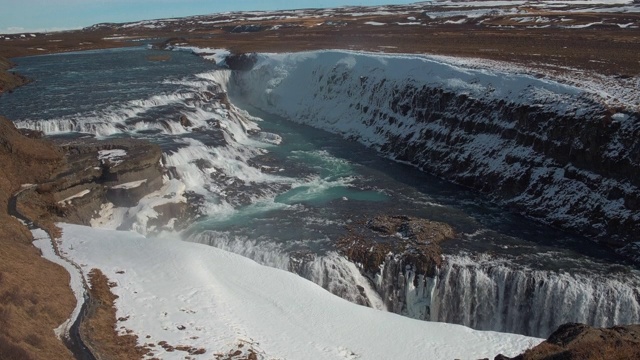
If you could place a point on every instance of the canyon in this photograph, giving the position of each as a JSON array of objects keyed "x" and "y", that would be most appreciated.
[{"x": 546, "y": 141}]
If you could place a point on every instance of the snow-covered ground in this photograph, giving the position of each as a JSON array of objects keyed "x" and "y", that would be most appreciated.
[{"x": 201, "y": 297}]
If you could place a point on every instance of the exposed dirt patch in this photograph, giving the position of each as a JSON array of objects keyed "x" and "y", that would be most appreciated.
[{"x": 98, "y": 330}]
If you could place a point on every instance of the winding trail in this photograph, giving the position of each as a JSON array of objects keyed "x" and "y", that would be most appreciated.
[{"x": 72, "y": 339}]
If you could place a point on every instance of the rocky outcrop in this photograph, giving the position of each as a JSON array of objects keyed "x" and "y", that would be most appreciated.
[
  {"x": 9, "y": 80},
  {"x": 399, "y": 253},
  {"x": 96, "y": 172},
  {"x": 578, "y": 341},
  {"x": 241, "y": 62}
]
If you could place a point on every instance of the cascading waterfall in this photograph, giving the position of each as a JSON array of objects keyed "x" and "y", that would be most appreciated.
[
  {"x": 487, "y": 294},
  {"x": 331, "y": 271}
]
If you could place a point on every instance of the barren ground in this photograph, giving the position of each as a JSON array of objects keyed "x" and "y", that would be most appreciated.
[{"x": 572, "y": 36}]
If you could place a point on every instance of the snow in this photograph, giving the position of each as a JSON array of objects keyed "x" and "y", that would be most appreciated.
[
  {"x": 76, "y": 196},
  {"x": 203, "y": 297},
  {"x": 374, "y": 23},
  {"x": 113, "y": 156},
  {"x": 212, "y": 54},
  {"x": 130, "y": 185},
  {"x": 43, "y": 242}
]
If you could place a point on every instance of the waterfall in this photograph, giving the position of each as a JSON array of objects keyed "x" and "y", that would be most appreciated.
[
  {"x": 489, "y": 295},
  {"x": 331, "y": 271}
]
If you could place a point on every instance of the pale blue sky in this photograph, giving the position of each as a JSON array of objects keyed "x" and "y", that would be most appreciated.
[{"x": 51, "y": 15}]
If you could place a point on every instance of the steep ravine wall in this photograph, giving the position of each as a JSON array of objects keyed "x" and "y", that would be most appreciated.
[{"x": 544, "y": 149}]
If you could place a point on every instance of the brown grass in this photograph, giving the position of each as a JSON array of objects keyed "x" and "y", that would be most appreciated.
[
  {"x": 609, "y": 50},
  {"x": 35, "y": 297},
  {"x": 98, "y": 330}
]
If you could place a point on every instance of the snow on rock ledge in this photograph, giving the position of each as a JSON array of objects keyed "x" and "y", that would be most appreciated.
[{"x": 550, "y": 151}]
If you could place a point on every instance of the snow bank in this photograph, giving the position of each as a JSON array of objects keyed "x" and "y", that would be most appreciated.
[{"x": 199, "y": 296}]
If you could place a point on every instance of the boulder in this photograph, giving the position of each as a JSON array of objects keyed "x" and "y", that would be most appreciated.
[{"x": 397, "y": 251}]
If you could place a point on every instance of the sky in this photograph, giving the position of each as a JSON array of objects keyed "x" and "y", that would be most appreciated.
[{"x": 53, "y": 15}]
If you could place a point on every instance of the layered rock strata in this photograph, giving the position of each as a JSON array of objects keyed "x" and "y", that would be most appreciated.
[
  {"x": 399, "y": 254},
  {"x": 94, "y": 173}
]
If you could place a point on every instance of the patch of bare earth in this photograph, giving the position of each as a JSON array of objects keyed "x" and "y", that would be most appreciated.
[{"x": 97, "y": 329}]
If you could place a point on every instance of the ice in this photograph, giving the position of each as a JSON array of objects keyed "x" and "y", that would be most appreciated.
[
  {"x": 203, "y": 297},
  {"x": 216, "y": 55},
  {"x": 113, "y": 156}
]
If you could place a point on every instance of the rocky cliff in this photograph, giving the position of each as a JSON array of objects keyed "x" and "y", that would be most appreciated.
[
  {"x": 93, "y": 173},
  {"x": 550, "y": 151},
  {"x": 400, "y": 254},
  {"x": 34, "y": 293}
]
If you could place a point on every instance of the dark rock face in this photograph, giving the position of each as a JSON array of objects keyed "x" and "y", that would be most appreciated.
[
  {"x": 397, "y": 250},
  {"x": 574, "y": 171},
  {"x": 241, "y": 62},
  {"x": 249, "y": 28},
  {"x": 94, "y": 174}
]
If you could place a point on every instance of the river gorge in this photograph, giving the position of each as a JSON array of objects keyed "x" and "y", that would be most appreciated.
[{"x": 528, "y": 186}]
